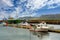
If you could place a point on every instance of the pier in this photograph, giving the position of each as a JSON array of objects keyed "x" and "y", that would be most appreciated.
[
  {"x": 49, "y": 30},
  {"x": 54, "y": 30}
]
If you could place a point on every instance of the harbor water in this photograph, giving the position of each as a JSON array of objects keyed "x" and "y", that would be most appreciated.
[{"x": 10, "y": 33}]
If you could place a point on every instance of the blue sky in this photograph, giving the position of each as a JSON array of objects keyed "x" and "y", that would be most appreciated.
[{"x": 26, "y": 8}]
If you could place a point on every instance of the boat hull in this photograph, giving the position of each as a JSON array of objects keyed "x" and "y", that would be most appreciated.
[{"x": 39, "y": 30}]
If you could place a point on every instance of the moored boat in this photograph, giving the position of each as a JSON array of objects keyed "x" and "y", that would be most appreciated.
[
  {"x": 25, "y": 25},
  {"x": 41, "y": 27}
]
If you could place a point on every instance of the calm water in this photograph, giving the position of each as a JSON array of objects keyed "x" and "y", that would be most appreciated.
[{"x": 9, "y": 33}]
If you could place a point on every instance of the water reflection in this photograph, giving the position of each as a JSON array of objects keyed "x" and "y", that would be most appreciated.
[
  {"x": 41, "y": 35},
  {"x": 9, "y": 33}
]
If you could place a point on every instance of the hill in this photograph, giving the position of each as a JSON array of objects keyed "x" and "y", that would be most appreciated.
[{"x": 50, "y": 17}]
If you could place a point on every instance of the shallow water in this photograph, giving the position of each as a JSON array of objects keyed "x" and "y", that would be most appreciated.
[{"x": 9, "y": 33}]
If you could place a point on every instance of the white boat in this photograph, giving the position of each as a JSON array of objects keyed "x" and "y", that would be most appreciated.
[
  {"x": 42, "y": 27},
  {"x": 25, "y": 25},
  {"x": 3, "y": 24}
]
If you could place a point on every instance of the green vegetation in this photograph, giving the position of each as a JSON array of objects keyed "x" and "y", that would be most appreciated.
[{"x": 14, "y": 21}]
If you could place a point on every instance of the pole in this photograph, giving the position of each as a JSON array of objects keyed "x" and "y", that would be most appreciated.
[{"x": 16, "y": 18}]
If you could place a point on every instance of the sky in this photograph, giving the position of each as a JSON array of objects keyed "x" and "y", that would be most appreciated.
[{"x": 27, "y": 8}]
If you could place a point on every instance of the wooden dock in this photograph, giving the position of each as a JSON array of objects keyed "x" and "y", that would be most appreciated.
[
  {"x": 49, "y": 30},
  {"x": 54, "y": 30}
]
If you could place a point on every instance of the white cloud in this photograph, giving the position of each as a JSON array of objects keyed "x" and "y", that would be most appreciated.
[
  {"x": 36, "y": 4},
  {"x": 8, "y": 2},
  {"x": 28, "y": 15},
  {"x": 2, "y": 5},
  {"x": 22, "y": 0},
  {"x": 3, "y": 15},
  {"x": 31, "y": 5},
  {"x": 57, "y": 1},
  {"x": 16, "y": 12},
  {"x": 51, "y": 2}
]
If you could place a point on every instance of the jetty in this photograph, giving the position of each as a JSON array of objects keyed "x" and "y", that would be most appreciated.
[
  {"x": 54, "y": 30},
  {"x": 49, "y": 30}
]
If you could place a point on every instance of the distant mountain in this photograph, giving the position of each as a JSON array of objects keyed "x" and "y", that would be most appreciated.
[
  {"x": 43, "y": 17},
  {"x": 28, "y": 18},
  {"x": 50, "y": 17}
]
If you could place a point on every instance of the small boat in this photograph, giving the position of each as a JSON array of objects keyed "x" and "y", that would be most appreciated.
[
  {"x": 41, "y": 27},
  {"x": 3, "y": 24},
  {"x": 25, "y": 25}
]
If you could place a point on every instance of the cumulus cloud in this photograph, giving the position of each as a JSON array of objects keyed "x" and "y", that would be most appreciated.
[
  {"x": 23, "y": 0},
  {"x": 2, "y": 5},
  {"x": 8, "y": 2},
  {"x": 27, "y": 14},
  {"x": 3, "y": 15},
  {"x": 26, "y": 9},
  {"x": 38, "y": 4},
  {"x": 53, "y": 3},
  {"x": 16, "y": 12}
]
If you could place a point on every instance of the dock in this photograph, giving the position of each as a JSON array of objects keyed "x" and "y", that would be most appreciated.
[
  {"x": 54, "y": 30},
  {"x": 49, "y": 30}
]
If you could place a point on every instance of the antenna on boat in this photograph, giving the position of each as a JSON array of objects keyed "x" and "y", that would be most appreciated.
[{"x": 17, "y": 18}]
